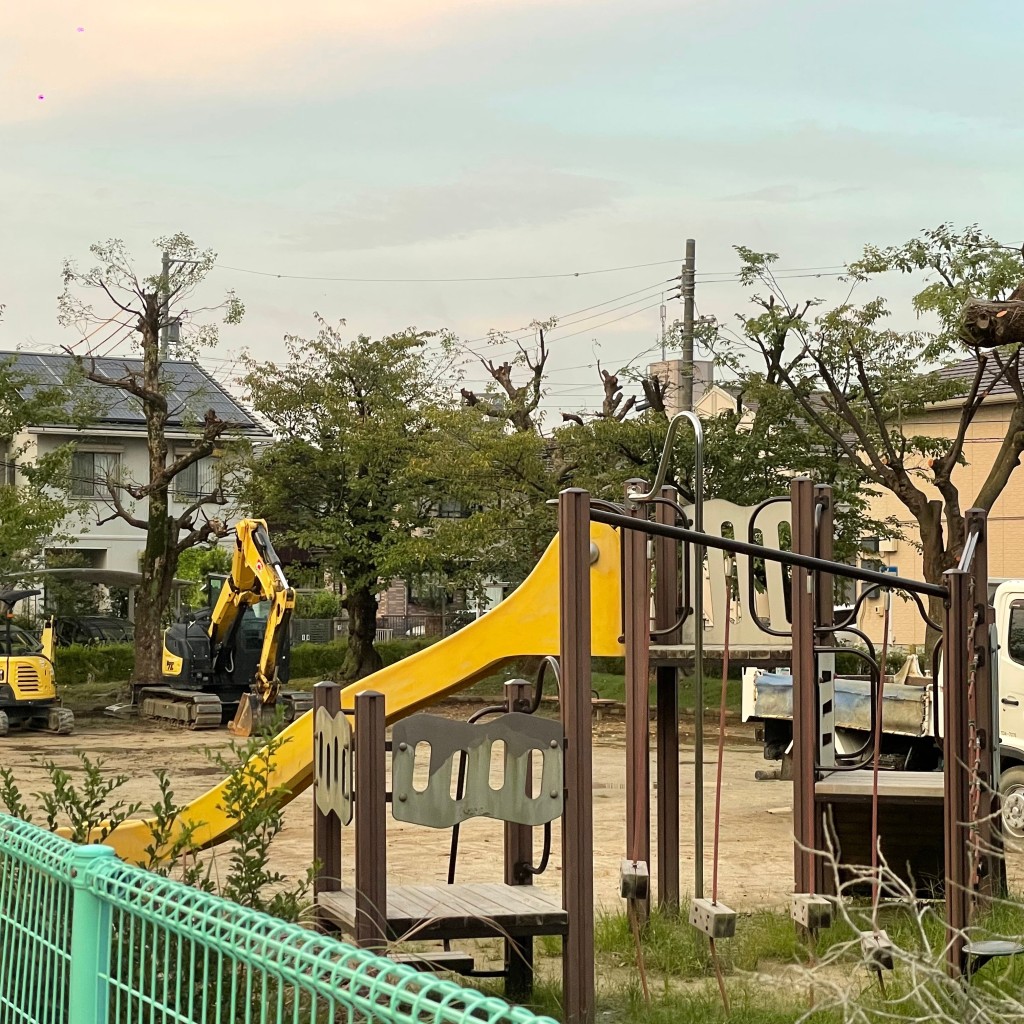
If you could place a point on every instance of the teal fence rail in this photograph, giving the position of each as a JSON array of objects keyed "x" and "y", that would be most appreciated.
[{"x": 88, "y": 939}]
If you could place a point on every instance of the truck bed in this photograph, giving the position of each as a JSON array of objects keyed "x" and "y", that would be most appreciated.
[{"x": 906, "y": 711}]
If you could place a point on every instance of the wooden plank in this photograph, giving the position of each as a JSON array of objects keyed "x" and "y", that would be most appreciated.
[
  {"x": 891, "y": 786},
  {"x": 460, "y": 911}
]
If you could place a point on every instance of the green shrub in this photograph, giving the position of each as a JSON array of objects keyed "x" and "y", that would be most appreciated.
[
  {"x": 102, "y": 663},
  {"x": 325, "y": 660},
  {"x": 323, "y": 604}
]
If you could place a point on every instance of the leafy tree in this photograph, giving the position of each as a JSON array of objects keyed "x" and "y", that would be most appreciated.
[
  {"x": 861, "y": 389},
  {"x": 34, "y": 499},
  {"x": 368, "y": 457},
  {"x": 196, "y": 564},
  {"x": 148, "y": 306}
]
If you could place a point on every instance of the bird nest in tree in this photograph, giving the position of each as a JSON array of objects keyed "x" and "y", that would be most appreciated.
[{"x": 993, "y": 324}]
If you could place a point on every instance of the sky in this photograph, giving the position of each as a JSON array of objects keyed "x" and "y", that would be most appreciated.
[{"x": 522, "y": 140}]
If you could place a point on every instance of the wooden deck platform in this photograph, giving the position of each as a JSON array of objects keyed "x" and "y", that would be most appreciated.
[
  {"x": 894, "y": 787},
  {"x": 473, "y": 910}
]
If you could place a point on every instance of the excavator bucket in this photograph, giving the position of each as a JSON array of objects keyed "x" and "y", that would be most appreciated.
[{"x": 247, "y": 718}]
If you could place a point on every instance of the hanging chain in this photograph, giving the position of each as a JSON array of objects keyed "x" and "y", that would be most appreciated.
[{"x": 974, "y": 746}]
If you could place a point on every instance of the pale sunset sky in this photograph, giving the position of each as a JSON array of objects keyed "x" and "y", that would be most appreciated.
[{"x": 456, "y": 139}]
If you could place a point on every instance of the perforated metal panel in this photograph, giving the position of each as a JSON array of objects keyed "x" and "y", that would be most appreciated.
[{"x": 426, "y": 797}]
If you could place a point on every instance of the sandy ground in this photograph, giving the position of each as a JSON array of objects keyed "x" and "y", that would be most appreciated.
[{"x": 756, "y": 845}]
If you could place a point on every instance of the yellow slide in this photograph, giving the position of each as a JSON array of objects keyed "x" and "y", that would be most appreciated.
[{"x": 525, "y": 624}]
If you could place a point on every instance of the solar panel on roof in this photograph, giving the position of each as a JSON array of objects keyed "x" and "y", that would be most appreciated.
[{"x": 191, "y": 390}]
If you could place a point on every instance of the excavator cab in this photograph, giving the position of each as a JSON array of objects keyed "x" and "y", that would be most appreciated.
[
  {"x": 28, "y": 692},
  {"x": 234, "y": 652}
]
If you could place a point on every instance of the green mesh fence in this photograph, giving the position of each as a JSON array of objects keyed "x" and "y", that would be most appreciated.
[
  {"x": 87, "y": 939},
  {"x": 35, "y": 924}
]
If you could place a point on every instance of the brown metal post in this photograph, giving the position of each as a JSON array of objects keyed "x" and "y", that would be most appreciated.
[
  {"x": 825, "y": 664},
  {"x": 992, "y": 867},
  {"x": 371, "y": 821},
  {"x": 578, "y": 816},
  {"x": 666, "y": 613},
  {"x": 637, "y": 605},
  {"x": 804, "y": 702},
  {"x": 956, "y": 756},
  {"x": 518, "y": 853},
  {"x": 326, "y": 826}
]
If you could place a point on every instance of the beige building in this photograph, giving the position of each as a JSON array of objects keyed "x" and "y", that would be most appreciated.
[
  {"x": 1006, "y": 519},
  {"x": 984, "y": 436}
]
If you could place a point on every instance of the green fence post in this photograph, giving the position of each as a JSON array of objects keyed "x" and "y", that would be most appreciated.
[{"x": 90, "y": 941}]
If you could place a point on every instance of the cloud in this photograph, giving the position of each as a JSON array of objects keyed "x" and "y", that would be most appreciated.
[
  {"x": 420, "y": 213},
  {"x": 233, "y": 46},
  {"x": 790, "y": 193}
]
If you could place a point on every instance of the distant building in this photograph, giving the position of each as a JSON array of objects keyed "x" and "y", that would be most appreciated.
[
  {"x": 114, "y": 444},
  {"x": 670, "y": 373}
]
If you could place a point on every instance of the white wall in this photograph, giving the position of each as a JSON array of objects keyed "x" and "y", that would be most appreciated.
[{"x": 111, "y": 542}]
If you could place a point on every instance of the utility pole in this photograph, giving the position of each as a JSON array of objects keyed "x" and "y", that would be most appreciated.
[
  {"x": 664, "y": 313},
  {"x": 165, "y": 287},
  {"x": 688, "y": 312}
]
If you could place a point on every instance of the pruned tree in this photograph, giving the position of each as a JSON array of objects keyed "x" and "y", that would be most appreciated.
[
  {"x": 864, "y": 389},
  {"x": 147, "y": 306},
  {"x": 521, "y": 402}
]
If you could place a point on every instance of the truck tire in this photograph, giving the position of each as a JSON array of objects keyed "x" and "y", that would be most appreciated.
[{"x": 1011, "y": 792}]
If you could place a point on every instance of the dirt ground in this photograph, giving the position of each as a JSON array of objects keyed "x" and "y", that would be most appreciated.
[{"x": 756, "y": 833}]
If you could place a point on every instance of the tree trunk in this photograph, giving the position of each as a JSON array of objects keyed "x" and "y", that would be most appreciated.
[
  {"x": 934, "y": 562},
  {"x": 159, "y": 564},
  {"x": 160, "y": 558},
  {"x": 361, "y": 658}
]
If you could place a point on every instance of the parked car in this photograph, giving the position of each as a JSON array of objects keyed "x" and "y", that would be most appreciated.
[{"x": 92, "y": 629}]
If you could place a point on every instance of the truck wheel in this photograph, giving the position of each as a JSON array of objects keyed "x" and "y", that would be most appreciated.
[
  {"x": 4, "y": 723},
  {"x": 1011, "y": 792}
]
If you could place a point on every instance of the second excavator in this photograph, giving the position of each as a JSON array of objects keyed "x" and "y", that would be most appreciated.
[{"x": 235, "y": 654}]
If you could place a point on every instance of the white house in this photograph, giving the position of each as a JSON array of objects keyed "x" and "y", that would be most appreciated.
[{"x": 114, "y": 446}]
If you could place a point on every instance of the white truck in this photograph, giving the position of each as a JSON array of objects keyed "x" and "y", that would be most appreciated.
[{"x": 908, "y": 717}]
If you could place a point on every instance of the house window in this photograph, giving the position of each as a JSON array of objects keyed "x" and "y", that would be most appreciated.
[
  {"x": 8, "y": 467},
  {"x": 197, "y": 480},
  {"x": 90, "y": 472},
  {"x": 450, "y": 508}
]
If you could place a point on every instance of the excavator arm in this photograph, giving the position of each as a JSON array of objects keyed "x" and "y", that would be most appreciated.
[{"x": 256, "y": 575}]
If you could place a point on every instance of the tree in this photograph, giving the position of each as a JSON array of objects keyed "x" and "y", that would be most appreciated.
[
  {"x": 34, "y": 498},
  {"x": 368, "y": 449},
  {"x": 147, "y": 306},
  {"x": 860, "y": 387},
  {"x": 196, "y": 564}
]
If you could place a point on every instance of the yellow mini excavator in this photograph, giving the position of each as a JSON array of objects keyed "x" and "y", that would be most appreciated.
[
  {"x": 28, "y": 694},
  {"x": 231, "y": 659}
]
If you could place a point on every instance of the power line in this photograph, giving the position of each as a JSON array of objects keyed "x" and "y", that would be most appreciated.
[
  {"x": 445, "y": 280},
  {"x": 499, "y": 278}
]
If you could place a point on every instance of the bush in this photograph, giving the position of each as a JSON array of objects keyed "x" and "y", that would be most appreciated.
[
  {"x": 325, "y": 660},
  {"x": 322, "y": 604},
  {"x": 112, "y": 663},
  {"x": 101, "y": 663}
]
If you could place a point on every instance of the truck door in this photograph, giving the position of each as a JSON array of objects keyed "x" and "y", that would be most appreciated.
[{"x": 1010, "y": 620}]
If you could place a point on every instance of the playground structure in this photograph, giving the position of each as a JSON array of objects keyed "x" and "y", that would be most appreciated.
[{"x": 600, "y": 565}]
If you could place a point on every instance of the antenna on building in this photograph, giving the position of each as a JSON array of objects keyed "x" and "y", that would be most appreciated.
[{"x": 663, "y": 314}]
